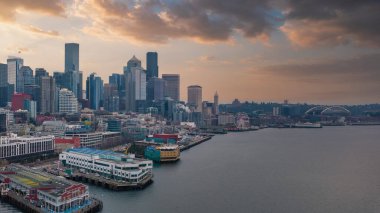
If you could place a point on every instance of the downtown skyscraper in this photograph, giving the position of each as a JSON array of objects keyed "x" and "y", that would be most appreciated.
[
  {"x": 135, "y": 83},
  {"x": 94, "y": 91},
  {"x": 4, "y": 97},
  {"x": 47, "y": 95},
  {"x": 14, "y": 66},
  {"x": 73, "y": 76},
  {"x": 25, "y": 77},
  {"x": 194, "y": 97},
  {"x": 172, "y": 86},
  {"x": 151, "y": 65}
]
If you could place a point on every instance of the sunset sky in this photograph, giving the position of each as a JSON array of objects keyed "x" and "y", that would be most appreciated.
[{"x": 317, "y": 51}]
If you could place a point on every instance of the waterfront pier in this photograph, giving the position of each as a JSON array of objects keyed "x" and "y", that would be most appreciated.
[{"x": 112, "y": 184}]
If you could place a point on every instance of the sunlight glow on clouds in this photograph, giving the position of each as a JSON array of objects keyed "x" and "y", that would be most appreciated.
[{"x": 272, "y": 49}]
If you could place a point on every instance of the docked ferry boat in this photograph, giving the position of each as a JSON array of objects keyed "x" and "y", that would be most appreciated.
[{"x": 163, "y": 153}]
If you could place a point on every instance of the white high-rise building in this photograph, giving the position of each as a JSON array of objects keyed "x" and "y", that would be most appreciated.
[
  {"x": 135, "y": 81},
  {"x": 14, "y": 66},
  {"x": 13, "y": 146},
  {"x": 68, "y": 103}
]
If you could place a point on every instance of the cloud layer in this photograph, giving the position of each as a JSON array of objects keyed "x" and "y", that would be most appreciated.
[
  {"x": 305, "y": 23},
  {"x": 9, "y": 9},
  {"x": 356, "y": 77},
  {"x": 333, "y": 22},
  {"x": 158, "y": 21}
]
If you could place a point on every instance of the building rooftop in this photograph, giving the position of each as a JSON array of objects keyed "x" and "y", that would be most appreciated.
[
  {"x": 34, "y": 179},
  {"x": 106, "y": 155}
]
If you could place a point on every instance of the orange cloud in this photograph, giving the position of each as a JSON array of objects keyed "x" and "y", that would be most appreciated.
[
  {"x": 318, "y": 33},
  {"x": 38, "y": 30},
  {"x": 9, "y": 9}
]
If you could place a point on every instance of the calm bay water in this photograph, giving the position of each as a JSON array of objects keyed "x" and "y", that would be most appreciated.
[{"x": 333, "y": 169}]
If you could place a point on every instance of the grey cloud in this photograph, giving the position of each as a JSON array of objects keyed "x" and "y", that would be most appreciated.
[
  {"x": 334, "y": 22},
  {"x": 364, "y": 69},
  {"x": 206, "y": 20}
]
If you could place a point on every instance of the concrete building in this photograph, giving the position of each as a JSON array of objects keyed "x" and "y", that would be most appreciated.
[
  {"x": 68, "y": 103},
  {"x": 87, "y": 139},
  {"x": 172, "y": 86},
  {"x": 52, "y": 193},
  {"x": 13, "y": 146},
  {"x": 48, "y": 95},
  {"x": 226, "y": 119},
  {"x": 194, "y": 97},
  {"x": 56, "y": 128},
  {"x": 109, "y": 164},
  {"x": 151, "y": 65}
]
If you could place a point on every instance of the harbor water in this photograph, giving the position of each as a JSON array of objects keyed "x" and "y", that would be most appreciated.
[{"x": 332, "y": 169}]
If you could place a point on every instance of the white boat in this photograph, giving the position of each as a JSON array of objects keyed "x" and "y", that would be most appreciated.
[{"x": 307, "y": 125}]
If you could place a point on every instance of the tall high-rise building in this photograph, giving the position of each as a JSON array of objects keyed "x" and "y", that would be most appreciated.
[
  {"x": 14, "y": 66},
  {"x": 111, "y": 98},
  {"x": 80, "y": 86},
  {"x": 3, "y": 85},
  {"x": 71, "y": 57},
  {"x": 39, "y": 72},
  {"x": 94, "y": 91},
  {"x": 194, "y": 97},
  {"x": 151, "y": 65},
  {"x": 156, "y": 89},
  {"x": 172, "y": 86},
  {"x": 60, "y": 79},
  {"x": 133, "y": 62},
  {"x": 118, "y": 80},
  {"x": 135, "y": 83},
  {"x": 216, "y": 104},
  {"x": 25, "y": 77},
  {"x": 47, "y": 95},
  {"x": 73, "y": 76},
  {"x": 3, "y": 75},
  {"x": 115, "y": 79},
  {"x": 68, "y": 103}
]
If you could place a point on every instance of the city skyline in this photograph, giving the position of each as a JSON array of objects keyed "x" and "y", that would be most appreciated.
[{"x": 269, "y": 60}]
